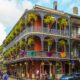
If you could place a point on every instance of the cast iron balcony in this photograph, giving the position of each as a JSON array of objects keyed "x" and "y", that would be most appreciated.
[{"x": 55, "y": 32}]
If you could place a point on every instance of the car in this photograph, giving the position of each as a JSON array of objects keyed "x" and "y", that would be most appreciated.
[
  {"x": 67, "y": 77},
  {"x": 73, "y": 76}
]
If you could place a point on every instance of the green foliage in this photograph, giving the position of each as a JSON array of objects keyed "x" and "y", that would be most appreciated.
[
  {"x": 22, "y": 44},
  {"x": 49, "y": 41},
  {"x": 30, "y": 41},
  {"x": 31, "y": 17},
  {"x": 62, "y": 42},
  {"x": 63, "y": 23},
  {"x": 49, "y": 20}
]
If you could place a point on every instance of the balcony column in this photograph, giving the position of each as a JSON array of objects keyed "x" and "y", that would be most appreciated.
[
  {"x": 56, "y": 22},
  {"x": 42, "y": 17},
  {"x": 51, "y": 70},
  {"x": 69, "y": 41},
  {"x": 63, "y": 67},
  {"x": 26, "y": 69},
  {"x": 56, "y": 45},
  {"x": 70, "y": 69},
  {"x": 69, "y": 54},
  {"x": 42, "y": 44},
  {"x": 54, "y": 69}
]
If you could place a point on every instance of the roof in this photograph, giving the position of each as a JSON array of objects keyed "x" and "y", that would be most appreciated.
[{"x": 56, "y": 11}]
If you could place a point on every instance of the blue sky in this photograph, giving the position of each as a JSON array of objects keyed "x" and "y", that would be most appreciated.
[{"x": 11, "y": 11}]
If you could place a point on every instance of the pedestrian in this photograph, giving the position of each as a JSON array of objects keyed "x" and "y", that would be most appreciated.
[
  {"x": 37, "y": 75},
  {"x": 5, "y": 76}
]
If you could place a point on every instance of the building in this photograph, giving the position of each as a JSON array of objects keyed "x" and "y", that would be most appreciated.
[{"x": 43, "y": 40}]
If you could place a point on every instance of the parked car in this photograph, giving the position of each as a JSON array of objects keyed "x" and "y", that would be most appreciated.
[{"x": 73, "y": 76}]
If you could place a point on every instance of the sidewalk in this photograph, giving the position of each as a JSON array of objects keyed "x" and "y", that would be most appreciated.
[{"x": 12, "y": 79}]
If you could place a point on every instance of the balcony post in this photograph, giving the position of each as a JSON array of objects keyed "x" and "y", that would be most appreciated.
[
  {"x": 42, "y": 44},
  {"x": 56, "y": 45},
  {"x": 51, "y": 70},
  {"x": 56, "y": 22},
  {"x": 54, "y": 69},
  {"x": 42, "y": 17},
  {"x": 69, "y": 41}
]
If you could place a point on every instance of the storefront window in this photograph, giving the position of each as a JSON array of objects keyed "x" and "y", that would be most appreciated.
[{"x": 58, "y": 68}]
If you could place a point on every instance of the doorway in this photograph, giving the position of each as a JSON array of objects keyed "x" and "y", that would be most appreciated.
[
  {"x": 66, "y": 68},
  {"x": 47, "y": 68}
]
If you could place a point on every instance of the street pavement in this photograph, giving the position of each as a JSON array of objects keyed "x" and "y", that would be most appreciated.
[{"x": 12, "y": 79}]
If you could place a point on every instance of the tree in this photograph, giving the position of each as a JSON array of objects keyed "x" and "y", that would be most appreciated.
[{"x": 49, "y": 20}]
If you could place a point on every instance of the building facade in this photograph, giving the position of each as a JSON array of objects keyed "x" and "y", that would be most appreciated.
[{"x": 43, "y": 40}]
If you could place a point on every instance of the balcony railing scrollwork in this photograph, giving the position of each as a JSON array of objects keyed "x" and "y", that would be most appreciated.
[{"x": 41, "y": 55}]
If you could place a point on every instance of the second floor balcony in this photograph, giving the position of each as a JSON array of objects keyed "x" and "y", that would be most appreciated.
[{"x": 33, "y": 30}]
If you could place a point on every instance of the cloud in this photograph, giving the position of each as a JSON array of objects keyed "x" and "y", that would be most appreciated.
[
  {"x": 10, "y": 12},
  {"x": 2, "y": 33}
]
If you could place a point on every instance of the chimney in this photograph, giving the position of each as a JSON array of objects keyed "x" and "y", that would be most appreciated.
[
  {"x": 55, "y": 5},
  {"x": 75, "y": 10}
]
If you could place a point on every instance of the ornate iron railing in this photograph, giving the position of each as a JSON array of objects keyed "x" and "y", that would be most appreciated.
[{"x": 41, "y": 30}]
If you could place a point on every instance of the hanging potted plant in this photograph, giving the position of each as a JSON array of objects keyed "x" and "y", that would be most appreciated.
[
  {"x": 62, "y": 43},
  {"x": 22, "y": 47},
  {"x": 30, "y": 41},
  {"x": 49, "y": 21},
  {"x": 63, "y": 23},
  {"x": 31, "y": 18},
  {"x": 50, "y": 42}
]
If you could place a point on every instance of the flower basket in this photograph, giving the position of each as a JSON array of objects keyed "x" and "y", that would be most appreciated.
[
  {"x": 32, "y": 54},
  {"x": 63, "y": 54},
  {"x": 49, "y": 54}
]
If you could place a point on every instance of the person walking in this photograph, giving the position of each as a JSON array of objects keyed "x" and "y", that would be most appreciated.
[{"x": 5, "y": 76}]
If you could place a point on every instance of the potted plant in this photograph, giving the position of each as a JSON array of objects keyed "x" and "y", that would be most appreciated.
[
  {"x": 63, "y": 23},
  {"x": 31, "y": 18},
  {"x": 49, "y": 20},
  {"x": 30, "y": 41},
  {"x": 62, "y": 43},
  {"x": 50, "y": 42}
]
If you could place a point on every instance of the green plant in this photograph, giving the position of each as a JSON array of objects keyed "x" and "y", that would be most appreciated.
[
  {"x": 63, "y": 23},
  {"x": 49, "y": 41},
  {"x": 49, "y": 20},
  {"x": 62, "y": 43},
  {"x": 31, "y": 18},
  {"x": 30, "y": 41},
  {"x": 22, "y": 44}
]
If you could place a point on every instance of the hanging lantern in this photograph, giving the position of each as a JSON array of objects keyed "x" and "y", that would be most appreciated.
[{"x": 42, "y": 63}]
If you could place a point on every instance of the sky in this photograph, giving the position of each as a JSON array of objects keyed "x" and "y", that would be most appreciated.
[{"x": 12, "y": 10}]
